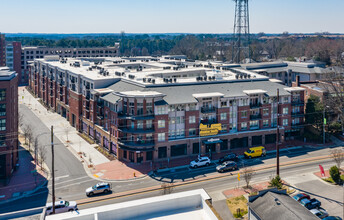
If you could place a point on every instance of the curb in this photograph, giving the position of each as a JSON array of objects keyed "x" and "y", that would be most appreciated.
[{"x": 157, "y": 187}]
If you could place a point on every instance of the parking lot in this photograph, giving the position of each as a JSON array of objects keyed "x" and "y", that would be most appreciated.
[{"x": 330, "y": 196}]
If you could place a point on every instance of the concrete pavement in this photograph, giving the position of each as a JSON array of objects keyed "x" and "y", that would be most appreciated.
[{"x": 67, "y": 134}]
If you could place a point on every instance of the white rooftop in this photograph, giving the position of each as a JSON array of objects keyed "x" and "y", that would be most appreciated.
[{"x": 181, "y": 206}]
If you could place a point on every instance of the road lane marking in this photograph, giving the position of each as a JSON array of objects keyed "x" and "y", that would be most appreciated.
[
  {"x": 71, "y": 180},
  {"x": 61, "y": 177},
  {"x": 157, "y": 188},
  {"x": 73, "y": 184}
]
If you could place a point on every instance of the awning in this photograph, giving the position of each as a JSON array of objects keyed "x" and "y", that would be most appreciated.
[{"x": 212, "y": 141}]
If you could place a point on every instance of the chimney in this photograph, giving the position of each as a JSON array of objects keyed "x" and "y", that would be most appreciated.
[{"x": 298, "y": 81}]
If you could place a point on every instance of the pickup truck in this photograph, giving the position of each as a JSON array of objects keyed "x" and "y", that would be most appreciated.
[{"x": 310, "y": 203}]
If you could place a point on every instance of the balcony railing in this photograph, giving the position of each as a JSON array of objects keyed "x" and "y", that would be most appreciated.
[
  {"x": 255, "y": 105},
  {"x": 254, "y": 117},
  {"x": 141, "y": 143},
  {"x": 136, "y": 131},
  {"x": 297, "y": 114},
  {"x": 208, "y": 109},
  {"x": 124, "y": 115},
  {"x": 297, "y": 103}
]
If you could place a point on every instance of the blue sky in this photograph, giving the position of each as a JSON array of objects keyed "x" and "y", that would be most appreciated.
[{"x": 168, "y": 16}]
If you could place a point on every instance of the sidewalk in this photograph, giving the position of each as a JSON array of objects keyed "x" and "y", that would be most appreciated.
[
  {"x": 49, "y": 118},
  {"x": 25, "y": 179}
]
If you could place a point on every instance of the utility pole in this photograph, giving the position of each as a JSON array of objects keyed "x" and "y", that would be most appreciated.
[
  {"x": 53, "y": 168},
  {"x": 277, "y": 138}
]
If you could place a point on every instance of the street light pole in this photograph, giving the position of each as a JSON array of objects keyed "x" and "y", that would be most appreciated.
[{"x": 53, "y": 168}]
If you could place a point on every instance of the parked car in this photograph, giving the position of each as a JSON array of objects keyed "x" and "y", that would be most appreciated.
[
  {"x": 201, "y": 161},
  {"x": 301, "y": 196},
  {"x": 320, "y": 213},
  {"x": 255, "y": 152},
  {"x": 229, "y": 165},
  {"x": 310, "y": 203},
  {"x": 332, "y": 218},
  {"x": 61, "y": 206},
  {"x": 229, "y": 157},
  {"x": 98, "y": 188}
]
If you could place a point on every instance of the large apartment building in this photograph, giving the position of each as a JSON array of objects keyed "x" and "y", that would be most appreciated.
[
  {"x": 161, "y": 108},
  {"x": 8, "y": 123}
]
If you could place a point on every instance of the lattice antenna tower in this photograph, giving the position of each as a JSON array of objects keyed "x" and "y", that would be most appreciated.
[{"x": 241, "y": 34}]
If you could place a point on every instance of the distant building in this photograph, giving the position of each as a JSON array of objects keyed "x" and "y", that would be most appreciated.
[
  {"x": 287, "y": 71},
  {"x": 2, "y": 50},
  {"x": 273, "y": 204},
  {"x": 184, "y": 205},
  {"x": 17, "y": 58},
  {"x": 156, "y": 109},
  {"x": 8, "y": 122}
]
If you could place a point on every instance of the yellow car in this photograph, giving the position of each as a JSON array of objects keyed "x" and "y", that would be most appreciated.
[{"x": 255, "y": 152}]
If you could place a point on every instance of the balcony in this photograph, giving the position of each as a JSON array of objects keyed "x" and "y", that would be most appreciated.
[
  {"x": 255, "y": 105},
  {"x": 136, "y": 131},
  {"x": 208, "y": 109},
  {"x": 255, "y": 117},
  {"x": 297, "y": 114},
  {"x": 297, "y": 126},
  {"x": 142, "y": 143},
  {"x": 147, "y": 116},
  {"x": 297, "y": 103}
]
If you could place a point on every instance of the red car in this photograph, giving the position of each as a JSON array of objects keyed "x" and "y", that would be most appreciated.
[{"x": 301, "y": 196}]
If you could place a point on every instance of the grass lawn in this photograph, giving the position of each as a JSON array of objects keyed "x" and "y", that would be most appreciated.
[
  {"x": 330, "y": 180},
  {"x": 236, "y": 203}
]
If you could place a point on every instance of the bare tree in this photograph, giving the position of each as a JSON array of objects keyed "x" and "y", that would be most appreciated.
[
  {"x": 26, "y": 131},
  {"x": 248, "y": 173},
  {"x": 20, "y": 120},
  {"x": 30, "y": 136},
  {"x": 42, "y": 151},
  {"x": 167, "y": 188},
  {"x": 36, "y": 148},
  {"x": 337, "y": 156},
  {"x": 67, "y": 130}
]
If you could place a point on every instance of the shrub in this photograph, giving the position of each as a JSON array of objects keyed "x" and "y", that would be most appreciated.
[
  {"x": 276, "y": 182},
  {"x": 335, "y": 174}
]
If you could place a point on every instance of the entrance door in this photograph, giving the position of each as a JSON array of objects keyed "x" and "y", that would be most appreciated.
[
  {"x": 210, "y": 149},
  {"x": 131, "y": 156},
  {"x": 139, "y": 157}
]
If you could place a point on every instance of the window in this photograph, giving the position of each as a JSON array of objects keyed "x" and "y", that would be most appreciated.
[
  {"x": 2, "y": 94},
  {"x": 232, "y": 114},
  {"x": 2, "y": 109},
  {"x": 223, "y": 104},
  {"x": 178, "y": 150},
  {"x": 285, "y": 99},
  {"x": 254, "y": 124},
  {"x": 180, "y": 120},
  {"x": 161, "y": 137},
  {"x": 149, "y": 124},
  {"x": 161, "y": 123},
  {"x": 192, "y": 131},
  {"x": 223, "y": 127},
  {"x": 245, "y": 102},
  {"x": 296, "y": 121},
  {"x": 243, "y": 125},
  {"x": 195, "y": 148},
  {"x": 223, "y": 116},
  {"x": 161, "y": 110},
  {"x": 285, "y": 111},
  {"x": 265, "y": 123},
  {"x": 192, "y": 119},
  {"x": 244, "y": 114},
  {"x": 139, "y": 124},
  {"x": 285, "y": 122},
  {"x": 265, "y": 111},
  {"x": 172, "y": 121}
]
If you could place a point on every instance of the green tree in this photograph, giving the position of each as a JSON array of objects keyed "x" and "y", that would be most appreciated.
[
  {"x": 314, "y": 111},
  {"x": 335, "y": 174},
  {"x": 276, "y": 182}
]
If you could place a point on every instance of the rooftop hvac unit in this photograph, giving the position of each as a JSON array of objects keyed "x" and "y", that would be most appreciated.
[
  {"x": 175, "y": 80},
  {"x": 170, "y": 80},
  {"x": 149, "y": 79},
  {"x": 153, "y": 81},
  {"x": 144, "y": 79}
]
